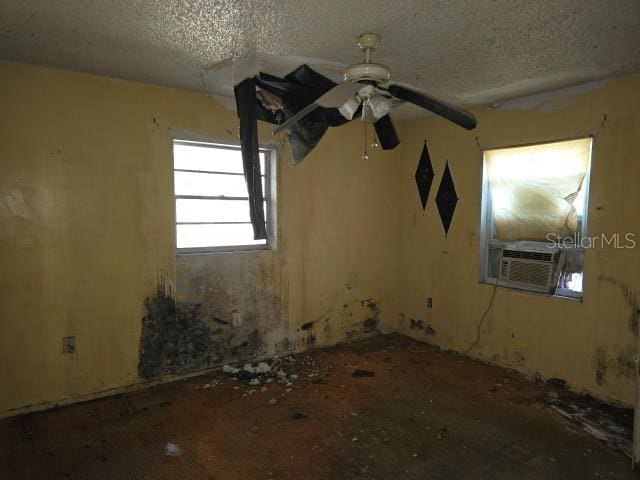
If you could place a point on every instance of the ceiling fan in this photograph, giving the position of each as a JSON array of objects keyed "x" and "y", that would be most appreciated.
[{"x": 368, "y": 87}]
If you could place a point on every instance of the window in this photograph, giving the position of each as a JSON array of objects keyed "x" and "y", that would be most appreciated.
[
  {"x": 212, "y": 204},
  {"x": 534, "y": 216}
]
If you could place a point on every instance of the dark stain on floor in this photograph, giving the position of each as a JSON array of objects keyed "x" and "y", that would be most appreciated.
[
  {"x": 424, "y": 414},
  {"x": 613, "y": 424}
]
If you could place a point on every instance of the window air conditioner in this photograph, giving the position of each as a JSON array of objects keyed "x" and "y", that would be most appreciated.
[{"x": 529, "y": 268}]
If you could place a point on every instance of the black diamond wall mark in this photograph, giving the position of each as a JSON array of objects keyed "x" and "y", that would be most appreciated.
[
  {"x": 424, "y": 175},
  {"x": 446, "y": 199}
]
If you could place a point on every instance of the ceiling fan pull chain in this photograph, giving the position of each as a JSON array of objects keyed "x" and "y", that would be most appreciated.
[
  {"x": 365, "y": 155},
  {"x": 374, "y": 142}
]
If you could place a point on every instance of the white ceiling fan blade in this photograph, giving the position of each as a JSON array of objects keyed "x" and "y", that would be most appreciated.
[
  {"x": 294, "y": 119},
  {"x": 334, "y": 98},
  {"x": 338, "y": 95}
]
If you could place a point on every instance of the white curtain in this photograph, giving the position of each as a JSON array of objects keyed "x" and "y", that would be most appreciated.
[{"x": 535, "y": 190}]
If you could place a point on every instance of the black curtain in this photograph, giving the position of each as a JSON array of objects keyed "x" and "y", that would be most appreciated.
[{"x": 245, "y": 93}]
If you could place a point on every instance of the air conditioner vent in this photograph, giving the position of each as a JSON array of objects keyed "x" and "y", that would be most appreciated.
[
  {"x": 528, "y": 268},
  {"x": 531, "y": 273},
  {"x": 528, "y": 255}
]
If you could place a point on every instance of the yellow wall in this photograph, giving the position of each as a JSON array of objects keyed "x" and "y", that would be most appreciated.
[
  {"x": 579, "y": 342},
  {"x": 86, "y": 232}
]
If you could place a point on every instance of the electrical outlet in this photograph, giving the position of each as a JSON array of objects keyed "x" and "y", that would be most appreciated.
[
  {"x": 429, "y": 302},
  {"x": 68, "y": 344},
  {"x": 236, "y": 319}
]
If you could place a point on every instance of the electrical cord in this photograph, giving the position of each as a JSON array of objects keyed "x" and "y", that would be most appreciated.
[{"x": 482, "y": 319}]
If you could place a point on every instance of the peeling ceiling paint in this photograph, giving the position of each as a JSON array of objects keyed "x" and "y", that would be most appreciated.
[{"x": 472, "y": 51}]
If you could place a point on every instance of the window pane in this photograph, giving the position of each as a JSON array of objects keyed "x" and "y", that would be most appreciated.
[
  {"x": 202, "y": 157},
  {"x": 209, "y": 159},
  {"x": 534, "y": 189},
  {"x": 570, "y": 278},
  {"x": 208, "y": 184},
  {"x": 201, "y": 222},
  {"x": 212, "y": 210},
  {"x": 194, "y": 236},
  {"x": 571, "y": 281}
]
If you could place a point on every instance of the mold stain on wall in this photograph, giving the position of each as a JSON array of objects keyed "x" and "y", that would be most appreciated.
[
  {"x": 631, "y": 299},
  {"x": 233, "y": 303},
  {"x": 622, "y": 364},
  {"x": 367, "y": 323},
  {"x": 176, "y": 338},
  {"x": 421, "y": 326},
  {"x": 181, "y": 337},
  {"x": 355, "y": 320}
]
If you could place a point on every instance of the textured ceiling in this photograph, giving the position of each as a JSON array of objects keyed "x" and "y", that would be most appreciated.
[{"x": 473, "y": 51}]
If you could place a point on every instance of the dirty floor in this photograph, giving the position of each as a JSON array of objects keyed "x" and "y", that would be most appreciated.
[{"x": 423, "y": 414}]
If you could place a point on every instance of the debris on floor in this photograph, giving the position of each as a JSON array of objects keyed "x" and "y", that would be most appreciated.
[
  {"x": 210, "y": 384},
  {"x": 437, "y": 415},
  {"x": 612, "y": 424},
  {"x": 362, "y": 373},
  {"x": 298, "y": 414},
  {"x": 172, "y": 450},
  {"x": 285, "y": 372},
  {"x": 280, "y": 370}
]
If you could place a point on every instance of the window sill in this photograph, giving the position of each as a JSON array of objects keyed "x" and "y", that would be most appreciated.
[
  {"x": 514, "y": 288},
  {"x": 229, "y": 249}
]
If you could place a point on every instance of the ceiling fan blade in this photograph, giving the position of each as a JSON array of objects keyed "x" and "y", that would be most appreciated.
[
  {"x": 295, "y": 118},
  {"x": 446, "y": 110},
  {"x": 386, "y": 133},
  {"x": 339, "y": 94},
  {"x": 333, "y": 98}
]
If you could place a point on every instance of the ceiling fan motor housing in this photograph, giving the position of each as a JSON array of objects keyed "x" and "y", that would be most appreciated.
[{"x": 371, "y": 72}]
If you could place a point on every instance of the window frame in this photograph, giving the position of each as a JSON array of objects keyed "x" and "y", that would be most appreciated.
[
  {"x": 487, "y": 223},
  {"x": 270, "y": 193}
]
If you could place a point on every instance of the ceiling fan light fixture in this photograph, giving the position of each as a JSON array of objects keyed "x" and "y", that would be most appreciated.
[
  {"x": 367, "y": 112},
  {"x": 349, "y": 108},
  {"x": 380, "y": 105}
]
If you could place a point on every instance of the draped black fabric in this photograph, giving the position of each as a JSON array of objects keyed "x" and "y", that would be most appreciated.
[
  {"x": 295, "y": 91},
  {"x": 245, "y": 93}
]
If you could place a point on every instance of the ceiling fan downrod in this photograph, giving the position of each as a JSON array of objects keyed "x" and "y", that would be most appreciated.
[{"x": 368, "y": 42}]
